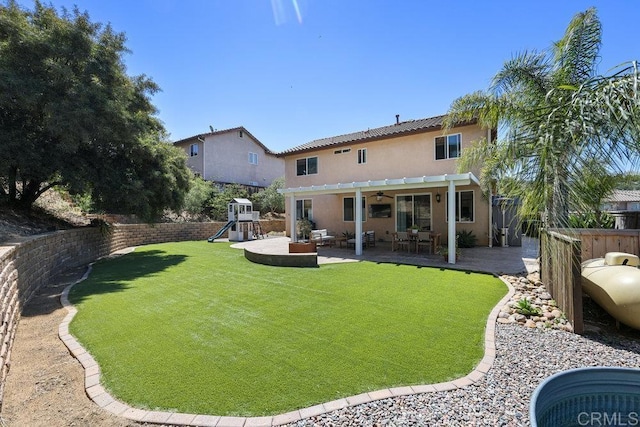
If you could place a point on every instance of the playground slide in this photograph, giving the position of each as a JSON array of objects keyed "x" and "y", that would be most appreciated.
[{"x": 220, "y": 232}]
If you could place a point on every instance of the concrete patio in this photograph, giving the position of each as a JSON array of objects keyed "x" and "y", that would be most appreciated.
[{"x": 495, "y": 260}]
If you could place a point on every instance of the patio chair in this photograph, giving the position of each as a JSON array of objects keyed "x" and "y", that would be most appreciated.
[
  {"x": 370, "y": 238},
  {"x": 352, "y": 241},
  {"x": 424, "y": 241},
  {"x": 399, "y": 240},
  {"x": 435, "y": 241}
]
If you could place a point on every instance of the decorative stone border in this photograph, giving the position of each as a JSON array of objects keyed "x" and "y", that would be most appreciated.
[{"x": 103, "y": 399}]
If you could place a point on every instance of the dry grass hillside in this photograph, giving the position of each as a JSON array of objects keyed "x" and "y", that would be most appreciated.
[{"x": 51, "y": 212}]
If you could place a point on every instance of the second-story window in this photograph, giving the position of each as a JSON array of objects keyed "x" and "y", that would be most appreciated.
[
  {"x": 193, "y": 150},
  {"x": 307, "y": 166},
  {"x": 253, "y": 158},
  {"x": 362, "y": 156},
  {"x": 448, "y": 147}
]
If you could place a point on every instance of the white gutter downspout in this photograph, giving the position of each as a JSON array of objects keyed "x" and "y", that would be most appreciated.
[
  {"x": 451, "y": 206},
  {"x": 204, "y": 159},
  {"x": 358, "y": 207},
  {"x": 490, "y": 195},
  {"x": 292, "y": 209}
]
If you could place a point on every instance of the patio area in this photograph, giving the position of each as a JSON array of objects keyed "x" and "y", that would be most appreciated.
[{"x": 495, "y": 260}]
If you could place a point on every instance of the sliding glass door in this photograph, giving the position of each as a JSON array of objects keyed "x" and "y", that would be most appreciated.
[{"x": 413, "y": 209}]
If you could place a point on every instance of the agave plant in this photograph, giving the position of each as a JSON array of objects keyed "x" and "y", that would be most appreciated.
[{"x": 525, "y": 307}]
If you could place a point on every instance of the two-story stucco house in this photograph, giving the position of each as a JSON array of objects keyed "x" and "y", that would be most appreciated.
[
  {"x": 403, "y": 175},
  {"x": 232, "y": 156}
]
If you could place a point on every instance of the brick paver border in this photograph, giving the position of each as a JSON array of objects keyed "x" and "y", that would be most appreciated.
[{"x": 103, "y": 399}]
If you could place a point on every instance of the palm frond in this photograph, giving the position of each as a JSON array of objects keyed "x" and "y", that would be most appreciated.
[
  {"x": 575, "y": 55},
  {"x": 526, "y": 73}
]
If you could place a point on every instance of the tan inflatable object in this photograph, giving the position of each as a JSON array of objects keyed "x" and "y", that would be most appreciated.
[{"x": 613, "y": 282}]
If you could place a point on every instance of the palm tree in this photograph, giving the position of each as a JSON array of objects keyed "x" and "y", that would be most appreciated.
[{"x": 550, "y": 106}]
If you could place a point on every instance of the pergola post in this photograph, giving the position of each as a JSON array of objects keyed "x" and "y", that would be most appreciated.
[
  {"x": 293, "y": 213},
  {"x": 451, "y": 207}
]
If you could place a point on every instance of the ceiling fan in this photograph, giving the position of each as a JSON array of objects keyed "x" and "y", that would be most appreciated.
[{"x": 379, "y": 195}]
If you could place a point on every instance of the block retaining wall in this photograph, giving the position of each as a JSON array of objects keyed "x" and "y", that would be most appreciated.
[{"x": 34, "y": 262}]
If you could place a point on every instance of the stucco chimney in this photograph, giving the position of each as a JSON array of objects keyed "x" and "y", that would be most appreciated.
[{"x": 397, "y": 119}]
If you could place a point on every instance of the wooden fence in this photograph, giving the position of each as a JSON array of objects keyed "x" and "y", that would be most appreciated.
[
  {"x": 562, "y": 252},
  {"x": 560, "y": 271},
  {"x": 596, "y": 242}
]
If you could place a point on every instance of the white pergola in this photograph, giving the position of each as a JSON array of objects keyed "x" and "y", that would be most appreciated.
[{"x": 451, "y": 181}]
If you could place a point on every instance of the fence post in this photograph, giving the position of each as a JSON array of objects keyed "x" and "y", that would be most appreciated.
[
  {"x": 576, "y": 274},
  {"x": 561, "y": 272}
]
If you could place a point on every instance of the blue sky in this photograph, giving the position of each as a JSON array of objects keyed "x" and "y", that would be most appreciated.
[{"x": 292, "y": 71}]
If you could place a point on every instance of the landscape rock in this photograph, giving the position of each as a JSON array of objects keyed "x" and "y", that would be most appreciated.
[{"x": 545, "y": 312}]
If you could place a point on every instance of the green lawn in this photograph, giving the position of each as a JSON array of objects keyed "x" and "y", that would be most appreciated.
[{"x": 195, "y": 327}]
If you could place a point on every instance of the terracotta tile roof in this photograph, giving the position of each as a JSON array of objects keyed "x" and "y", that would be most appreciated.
[
  {"x": 220, "y": 132},
  {"x": 399, "y": 129}
]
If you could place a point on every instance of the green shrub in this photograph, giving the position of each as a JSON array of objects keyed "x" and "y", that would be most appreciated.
[
  {"x": 591, "y": 220},
  {"x": 304, "y": 227},
  {"x": 466, "y": 239},
  {"x": 525, "y": 307},
  {"x": 199, "y": 194}
]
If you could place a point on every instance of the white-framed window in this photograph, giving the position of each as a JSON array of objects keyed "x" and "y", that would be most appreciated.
[
  {"x": 448, "y": 146},
  {"x": 348, "y": 209},
  {"x": 304, "y": 209},
  {"x": 307, "y": 166},
  {"x": 193, "y": 150},
  {"x": 362, "y": 156},
  {"x": 465, "y": 206},
  {"x": 253, "y": 158},
  {"x": 241, "y": 134}
]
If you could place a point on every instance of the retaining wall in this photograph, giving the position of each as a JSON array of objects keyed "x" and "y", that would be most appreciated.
[{"x": 34, "y": 262}]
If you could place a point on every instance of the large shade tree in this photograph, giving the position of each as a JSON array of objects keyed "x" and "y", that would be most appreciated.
[
  {"x": 71, "y": 116},
  {"x": 558, "y": 118}
]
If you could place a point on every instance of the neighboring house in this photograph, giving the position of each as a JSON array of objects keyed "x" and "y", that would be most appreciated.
[
  {"x": 232, "y": 156},
  {"x": 624, "y": 206},
  {"x": 402, "y": 174},
  {"x": 622, "y": 200}
]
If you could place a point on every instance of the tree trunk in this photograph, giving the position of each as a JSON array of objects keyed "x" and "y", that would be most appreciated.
[
  {"x": 11, "y": 182},
  {"x": 559, "y": 212},
  {"x": 30, "y": 193}
]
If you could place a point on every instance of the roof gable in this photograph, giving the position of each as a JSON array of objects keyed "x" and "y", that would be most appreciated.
[{"x": 221, "y": 132}]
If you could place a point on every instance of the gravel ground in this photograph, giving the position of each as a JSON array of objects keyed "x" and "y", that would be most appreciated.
[{"x": 525, "y": 357}]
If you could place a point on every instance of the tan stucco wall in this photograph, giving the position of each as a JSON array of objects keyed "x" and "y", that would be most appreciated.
[
  {"x": 193, "y": 162},
  {"x": 406, "y": 156},
  {"x": 224, "y": 157}
]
